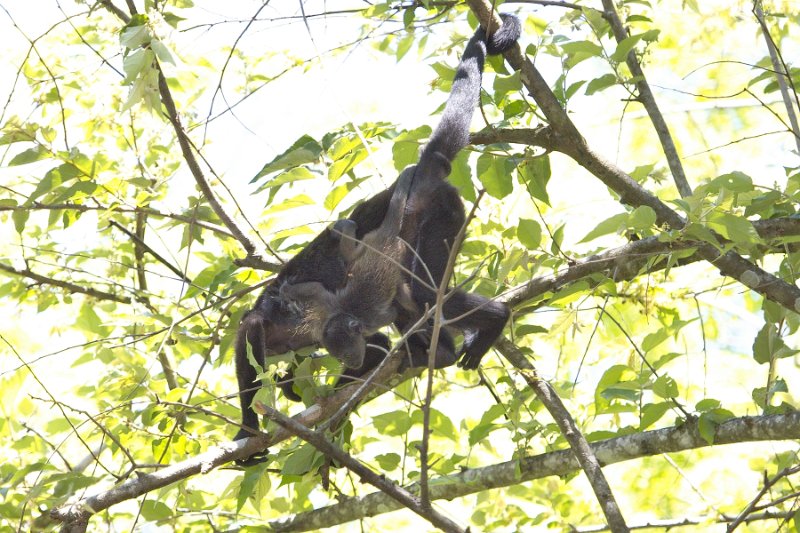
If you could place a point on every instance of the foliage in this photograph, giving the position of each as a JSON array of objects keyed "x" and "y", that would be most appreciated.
[{"x": 137, "y": 281}]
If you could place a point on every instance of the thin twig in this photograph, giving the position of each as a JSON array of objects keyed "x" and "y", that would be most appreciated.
[
  {"x": 71, "y": 287},
  {"x": 768, "y": 484},
  {"x": 146, "y": 247},
  {"x": 648, "y": 100},
  {"x": 780, "y": 72},
  {"x": 437, "y": 327}
]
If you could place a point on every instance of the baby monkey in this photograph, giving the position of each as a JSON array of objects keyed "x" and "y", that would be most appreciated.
[{"x": 376, "y": 285}]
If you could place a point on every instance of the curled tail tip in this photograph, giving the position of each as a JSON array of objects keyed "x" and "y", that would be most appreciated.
[{"x": 505, "y": 37}]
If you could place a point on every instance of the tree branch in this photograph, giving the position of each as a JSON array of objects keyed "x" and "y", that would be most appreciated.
[
  {"x": 75, "y": 516},
  {"x": 559, "y": 463},
  {"x": 186, "y": 149},
  {"x": 194, "y": 167},
  {"x": 580, "y": 446},
  {"x": 390, "y": 488},
  {"x": 779, "y": 67},
  {"x": 632, "y": 256},
  {"x": 36, "y": 206},
  {"x": 71, "y": 287},
  {"x": 565, "y": 138},
  {"x": 648, "y": 100}
]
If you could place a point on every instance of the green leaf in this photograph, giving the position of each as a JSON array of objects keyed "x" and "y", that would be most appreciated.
[
  {"x": 136, "y": 63},
  {"x": 134, "y": 36},
  {"x": 461, "y": 176},
  {"x": 495, "y": 175},
  {"x": 627, "y": 44},
  {"x": 534, "y": 173},
  {"x": 440, "y": 424},
  {"x": 569, "y": 294},
  {"x": 612, "y": 224},
  {"x": 480, "y": 432},
  {"x": 250, "y": 485},
  {"x": 300, "y": 461},
  {"x": 529, "y": 233},
  {"x": 388, "y": 461},
  {"x": 611, "y": 379},
  {"x": 529, "y": 329},
  {"x": 406, "y": 146},
  {"x": 394, "y": 424},
  {"x": 733, "y": 181},
  {"x": 346, "y": 164},
  {"x": 404, "y": 45},
  {"x": 707, "y": 423},
  {"x": 734, "y": 228},
  {"x": 654, "y": 339},
  {"x": 598, "y": 84},
  {"x": 31, "y": 155},
  {"x": 53, "y": 179},
  {"x": 640, "y": 173},
  {"x": 652, "y": 413},
  {"x": 666, "y": 387},
  {"x": 304, "y": 151},
  {"x": 20, "y": 217},
  {"x": 507, "y": 84},
  {"x": 707, "y": 404},
  {"x": 643, "y": 218},
  {"x": 700, "y": 233},
  {"x": 153, "y": 510},
  {"x": 581, "y": 50},
  {"x": 290, "y": 176},
  {"x": 252, "y": 360},
  {"x": 88, "y": 320},
  {"x": 162, "y": 52},
  {"x": 768, "y": 344},
  {"x": 586, "y": 47}
]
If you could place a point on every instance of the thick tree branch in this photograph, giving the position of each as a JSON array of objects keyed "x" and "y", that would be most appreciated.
[
  {"x": 648, "y": 100},
  {"x": 559, "y": 463},
  {"x": 578, "y": 443},
  {"x": 71, "y": 287},
  {"x": 565, "y": 138},
  {"x": 632, "y": 256},
  {"x": 391, "y": 489}
]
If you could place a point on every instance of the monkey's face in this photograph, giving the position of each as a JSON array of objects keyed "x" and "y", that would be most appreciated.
[{"x": 343, "y": 337}]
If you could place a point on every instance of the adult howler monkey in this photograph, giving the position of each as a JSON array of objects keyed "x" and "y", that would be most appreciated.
[{"x": 432, "y": 216}]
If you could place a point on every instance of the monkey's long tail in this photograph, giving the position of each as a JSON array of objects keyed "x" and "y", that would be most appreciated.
[{"x": 452, "y": 133}]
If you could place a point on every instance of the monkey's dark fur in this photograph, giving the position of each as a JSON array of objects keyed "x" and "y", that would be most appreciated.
[{"x": 432, "y": 216}]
